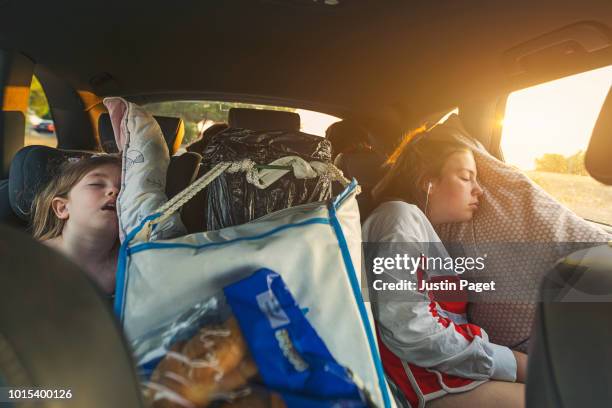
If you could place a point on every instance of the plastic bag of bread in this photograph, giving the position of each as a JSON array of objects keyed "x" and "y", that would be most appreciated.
[{"x": 251, "y": 346}]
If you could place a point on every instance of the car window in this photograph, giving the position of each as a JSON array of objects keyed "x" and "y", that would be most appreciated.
[
  {"x": 199, "y": 115},
  {"x": 546, "y": 131},
  {"x": 40, "y": 129}
]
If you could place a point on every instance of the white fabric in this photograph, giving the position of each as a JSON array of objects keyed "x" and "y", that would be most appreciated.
[
  {"x": 143, "y": 174},
  {"x": 407, "y": 327},
  {"x": 160, "y": 278}
]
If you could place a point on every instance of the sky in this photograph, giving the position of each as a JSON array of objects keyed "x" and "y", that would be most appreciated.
[
  {"x": 315, "y": 123},
  {"x": 555, "y": 117}
]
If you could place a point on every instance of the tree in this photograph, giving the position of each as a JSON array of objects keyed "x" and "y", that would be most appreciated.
[
  {"x": 575, "y": 164},
  {"x": 552, "y": 162},
  {"x": 38, "y": 100}
]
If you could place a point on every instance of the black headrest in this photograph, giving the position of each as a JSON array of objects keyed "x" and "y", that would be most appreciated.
[
  {"x": 364, "y": 165},
  {"x": 598, "y": 157},
  {"x": 31, "y": 169},
  {"x": 256, "y": 119},
  {"x": 34, "y": 166},
  {"x": 173, "y": 130},
  {"x": 199, "y": 145},
  {"x": 346, "y": 135}
]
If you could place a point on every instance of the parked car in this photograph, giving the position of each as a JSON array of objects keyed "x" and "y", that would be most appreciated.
[{"x": 45, "y": 126}]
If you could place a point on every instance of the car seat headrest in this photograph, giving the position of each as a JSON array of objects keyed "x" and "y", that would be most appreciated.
[
  {"x": 346, "y": 135},
  {"x": 597, "y": 159},
  {"x": 257, "y": 119},
  {"x": 173, "y": 130},
  {"x": 199, "y": 145},
  {"x": 34, "y": 166},
  {"x": 31, "y": 169}
]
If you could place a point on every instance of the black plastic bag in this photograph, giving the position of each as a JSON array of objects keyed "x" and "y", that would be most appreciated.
[{"x": 231, "y": 200}]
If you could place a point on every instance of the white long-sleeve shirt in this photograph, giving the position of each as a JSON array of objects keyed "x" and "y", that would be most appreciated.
[{"x": 407, "y": 326}]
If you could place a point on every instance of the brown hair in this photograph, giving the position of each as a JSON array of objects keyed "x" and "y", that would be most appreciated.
[
  {"x": 421, "y": 155},
  {"x": 45, "y": 224}
]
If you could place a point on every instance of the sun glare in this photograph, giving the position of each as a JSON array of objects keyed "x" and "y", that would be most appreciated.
[{"x": 555, "y": 117}]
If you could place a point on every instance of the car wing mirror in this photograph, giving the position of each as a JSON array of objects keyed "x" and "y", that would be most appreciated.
[{"x": 598, "y": 157}]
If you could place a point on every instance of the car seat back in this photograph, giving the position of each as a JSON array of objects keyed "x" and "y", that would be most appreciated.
[
  {"x": 366, "y": 166},
  {"x": 347, "y": 136},
  {"x": 570, "y": 358},
  {"x": 7, "y": 216}
]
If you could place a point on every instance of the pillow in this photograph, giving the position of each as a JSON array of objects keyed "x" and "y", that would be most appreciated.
[{"x": 523, "y": 231}]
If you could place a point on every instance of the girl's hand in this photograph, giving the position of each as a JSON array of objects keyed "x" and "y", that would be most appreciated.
[{"x": 521, "y": 366}]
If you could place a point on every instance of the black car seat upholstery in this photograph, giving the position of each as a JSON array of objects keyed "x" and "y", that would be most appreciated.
[
  {"x": 7, "y": 216},
  {"x": 32, "y": 168},
  {"x": 366, "y": 166},
  {"x": 346, "y": 136},
  {"x": 199, "y": 145},
  {"x": 43, "y": 292},
  {"x": 258, "y": 119},
  {"x": 571, "y": 355},
  {"x": 173, "y": 130}
]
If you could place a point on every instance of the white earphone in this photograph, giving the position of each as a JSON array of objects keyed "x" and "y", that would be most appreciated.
[{"x": 427, "y": 198}]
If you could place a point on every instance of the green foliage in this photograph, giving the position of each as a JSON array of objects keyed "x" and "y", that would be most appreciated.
[
  {"x": 193, "y": 112},
  {"x": 575, "y": 164},
  {"x": 38, "y": 100},
  {"x": 552, "y": 162},
  {"x": 557, "y": 163}
]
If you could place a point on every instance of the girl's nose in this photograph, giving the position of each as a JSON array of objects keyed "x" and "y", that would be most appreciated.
[{"x": 477, "y": 189}]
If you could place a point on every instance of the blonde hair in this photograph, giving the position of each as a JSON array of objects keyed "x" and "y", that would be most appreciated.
[
  {"x": 421, "y": 155},
  {"x": 45, "y": 223}
]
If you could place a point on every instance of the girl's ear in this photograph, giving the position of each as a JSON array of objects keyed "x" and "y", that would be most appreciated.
[{"x": 58, "y": 204}]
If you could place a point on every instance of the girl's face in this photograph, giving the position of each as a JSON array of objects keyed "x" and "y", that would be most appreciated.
[
  {"x": 91, "y": 203},
  {"x": 454, "y": 195}
]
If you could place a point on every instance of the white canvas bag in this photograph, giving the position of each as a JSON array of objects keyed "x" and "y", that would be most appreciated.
[{"x": 314, "y": 247}]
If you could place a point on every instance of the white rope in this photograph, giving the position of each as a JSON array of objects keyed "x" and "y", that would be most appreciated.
[{"x": 260, "y": 178}]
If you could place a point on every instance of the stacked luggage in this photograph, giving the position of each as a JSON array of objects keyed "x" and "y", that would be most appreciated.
[{"x": 240, "y": 200}]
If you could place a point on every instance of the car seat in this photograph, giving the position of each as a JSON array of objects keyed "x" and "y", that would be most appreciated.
[
  {"x": 83, "y": 349},
  {"x": 34, "y": 166},
  {"x": 347, "y": 136},
  {"x": 261, "y": 119},
  {"x": 356, "y": 158},
  {"x": 199, "y": 145},
  {"x": 367, "y": 167},
  {"x": 173, "y": 130}
]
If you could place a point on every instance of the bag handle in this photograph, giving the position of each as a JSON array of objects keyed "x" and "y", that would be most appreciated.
[{"x": 261, "y": 176}]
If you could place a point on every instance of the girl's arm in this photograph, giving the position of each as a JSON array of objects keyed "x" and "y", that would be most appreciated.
[
  {"x": 144, "y": 167},
  {"x": 415, "y": 328}
]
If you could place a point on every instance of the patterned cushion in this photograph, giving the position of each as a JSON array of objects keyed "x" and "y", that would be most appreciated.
[{"x": 524, "y": 231}]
